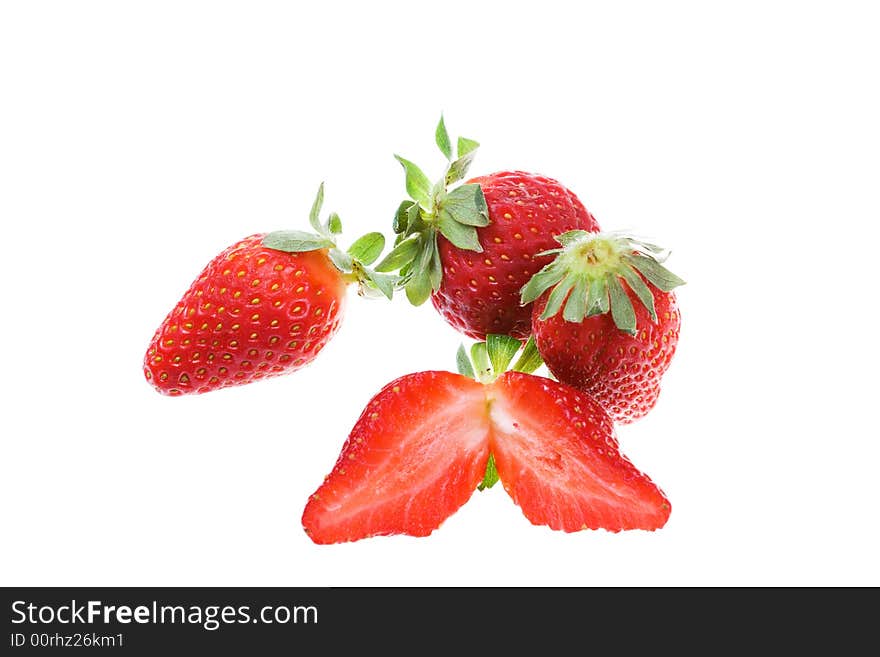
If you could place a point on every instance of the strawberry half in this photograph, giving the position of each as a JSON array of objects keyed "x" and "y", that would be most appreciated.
[
  {"x": 605, "y": 319},
  {"x": 470, "y": 248},
  {"x": 266, "y": 305},
  {"x": 415, "y": 455},
  {"x": 558, "y": 458},
  {"x": 427, "y": 440}
]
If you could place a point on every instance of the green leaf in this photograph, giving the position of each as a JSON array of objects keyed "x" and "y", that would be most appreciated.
[
  {"x": 529, "y": 360},
  {"x": 659, "y": 251},
  {"x": 557, "y": 296},
  {"x": 367, "y": 248},
  {"x": 400, "y": 255},
  {"x": 383, "y": 282},
  {"x": 467, "y": 205},
  {"x": 315, "y": 213},
  {"x": 426, "y": 255},
  {"x": 576, "y": 307},
  {"x": 442, "y": 139},
  {"x": 419, "y": 284},
  {"x": 571, "y": 236},
  {"x": 464, "y": 363},
  {"x": 418, "y": 287},
  {"x": 417, "y": 184},
  {"x": 461, "y": 235},
  {"x": 654, "y": 272},
  {"x": 400, "y": 216},
  {"x": 501, "y": 350},
  {"x": 621, "y": 307},
  {"x": 480, "y": 356},
  {"x": 438, "y": 191},
  {"x": 542, "y": 281},
  {"x": 414, "y": 222},
  {"x": 642, "y": 291},
  {"x": 548, "y": 252},
  {"x": 295, "y": 241},
  {"x": 491, "y": 476},
  {"x": 342, "y": 260},
  {"x": 334, "y": 224},
  {"x": 406, "y": 270},
  {"x": 458, "y": 169},
  {"x": 466, "y": 146},
  {"x": 435, "y": 269},
  {"x": 597, "y": 297}
]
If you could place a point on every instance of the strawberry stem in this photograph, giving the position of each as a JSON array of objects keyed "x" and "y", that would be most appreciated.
[
  {"x": 487, "y": 361},
  {"x": 353, "y": 264},
  {"x": 490, "y": 359},
  {"x": 442, "y": 208}
]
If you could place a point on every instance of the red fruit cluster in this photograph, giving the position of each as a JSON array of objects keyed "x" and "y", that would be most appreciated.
[{"x": 510, "y": 259}]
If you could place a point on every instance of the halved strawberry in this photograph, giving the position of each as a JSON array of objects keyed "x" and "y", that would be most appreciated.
[
  {"x": 415, "y": 455},
  {"x": 424, "y": 443},
  {"x": 558, "y": 458}
]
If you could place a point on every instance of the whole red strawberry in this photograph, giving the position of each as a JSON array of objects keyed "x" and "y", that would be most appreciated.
[
  {"x": 427, "y": 440},
  {"x": 479, "y": 291},
  {"x": 605, "y": 320},
  {"x": 266, "y": 305},
  {"x": 472, "y": 248}
]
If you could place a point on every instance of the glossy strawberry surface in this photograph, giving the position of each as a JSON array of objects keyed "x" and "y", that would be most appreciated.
[
  {"x": 622, "y": 372},
  {"x": 480, "y": 292},
  {"x": 252, "y": 313}
]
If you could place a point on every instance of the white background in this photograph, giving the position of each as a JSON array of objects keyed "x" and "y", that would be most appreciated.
[{"x": 139, "y": 139}]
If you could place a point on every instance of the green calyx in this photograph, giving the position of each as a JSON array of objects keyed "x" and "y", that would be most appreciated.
[
  {"x": 588, "y": 275},
  {"x": 486, "y": 362},
  {"x": 491, "y": 477},
  {"x": 352, "y": 263},
  {"x": 445, "y": 207}
]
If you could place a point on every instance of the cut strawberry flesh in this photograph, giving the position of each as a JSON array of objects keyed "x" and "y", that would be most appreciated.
[
  {"x": 415, "y": 455},
  {"x": 558, "y": 459},
  {"x": 420, "y": 448}
]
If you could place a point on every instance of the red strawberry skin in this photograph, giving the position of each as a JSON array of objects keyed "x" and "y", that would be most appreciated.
[
  {"x": 558, "y": 458},
  {"x": 252, "y": 313},
  {"x": 421, "y": 445},
  {"x": 415, "y": 455},
  {"x": 620, "y": 371},
  {"x": 480, "y": 292}
]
